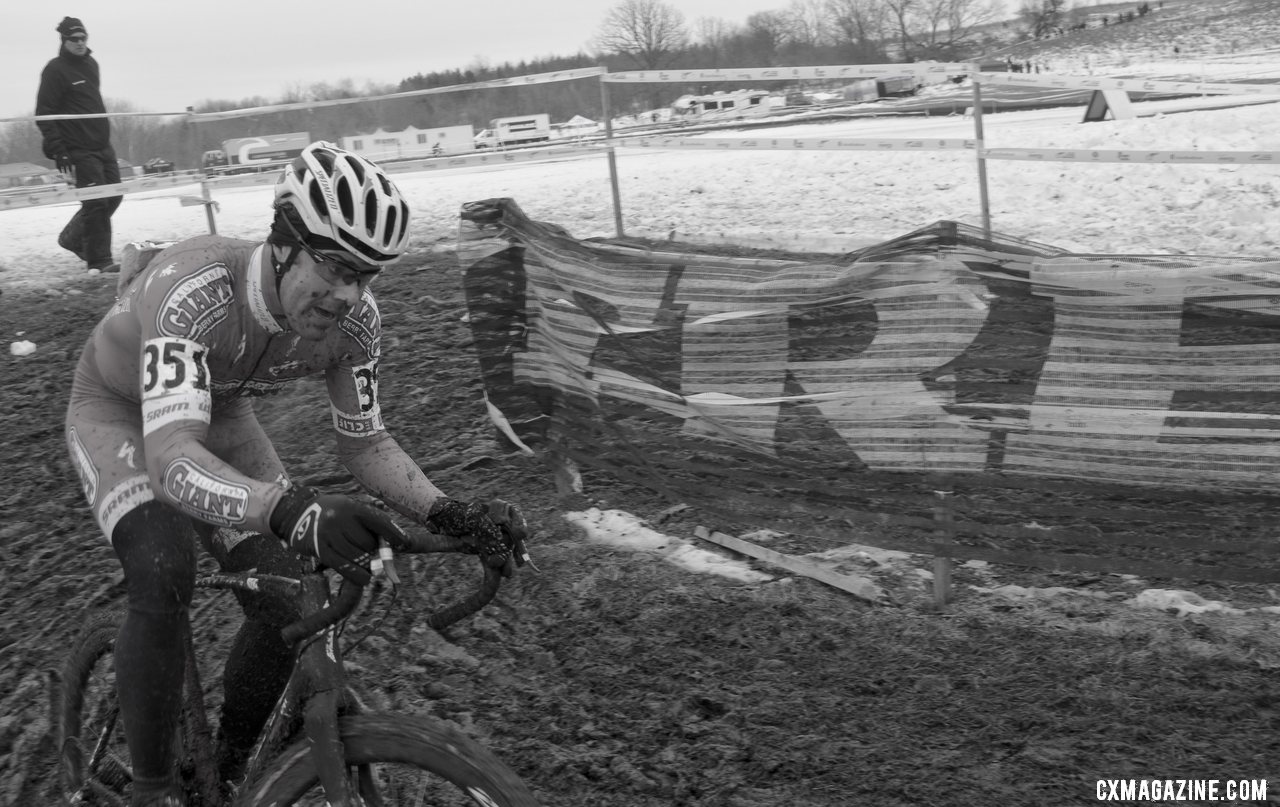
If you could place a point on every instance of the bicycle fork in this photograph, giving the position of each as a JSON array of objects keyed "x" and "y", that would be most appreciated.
[{"x": 319, "y": 681}]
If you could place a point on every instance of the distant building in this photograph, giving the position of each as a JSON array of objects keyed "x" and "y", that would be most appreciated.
[
  {"x": 727, "y": 104},
  {"x": 411, "y": 143},
  {"x": 26, "y": 177}
]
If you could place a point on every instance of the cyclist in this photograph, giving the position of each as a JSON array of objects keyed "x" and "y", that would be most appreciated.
[{"x": 162, "y": 433}]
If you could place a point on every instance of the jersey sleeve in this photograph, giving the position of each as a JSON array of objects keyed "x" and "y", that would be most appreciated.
[
  {"x": 353, "y": 381},
  {"x": 363, "y": 444},
  {"x": 180, "y": 310}
]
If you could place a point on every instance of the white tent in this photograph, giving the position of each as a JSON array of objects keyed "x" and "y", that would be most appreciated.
[{"x": 576, "y": 126}]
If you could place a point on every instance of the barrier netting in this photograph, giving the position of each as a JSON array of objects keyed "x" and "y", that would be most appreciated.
[{"x": 949, "y": 392}]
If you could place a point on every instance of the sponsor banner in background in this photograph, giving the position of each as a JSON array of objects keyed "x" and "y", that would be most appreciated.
[
  {"x": 941, "y": 351},
  {"x": 818, "y": 72},
  {"x": 800, "y": 143},
  {"x": 1129, "y": 84}
]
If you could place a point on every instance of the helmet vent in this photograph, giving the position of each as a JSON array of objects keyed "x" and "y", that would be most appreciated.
[
  {"x": 317, "y": 199},
  {"x": 389, "y": 234},
  {"x": 344, "y": 198},
  {"x": 357, "y": 168},
  {"x": 370, "y": 212},
  {"x": 345, "y": 201}
]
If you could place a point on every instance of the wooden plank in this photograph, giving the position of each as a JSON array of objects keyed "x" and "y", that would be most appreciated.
[{"x": 857, "y": 586}]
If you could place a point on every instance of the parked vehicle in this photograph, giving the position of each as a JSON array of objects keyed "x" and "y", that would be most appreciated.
[
  {"x": 515, "y": 131},
  {"x": 157, "y": 165},
  {"x": 241, "y": 155}
]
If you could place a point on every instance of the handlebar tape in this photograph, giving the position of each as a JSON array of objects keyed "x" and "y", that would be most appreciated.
[
  {"x": 470, "y": 604},
  {"x": 341, "y": 607}
]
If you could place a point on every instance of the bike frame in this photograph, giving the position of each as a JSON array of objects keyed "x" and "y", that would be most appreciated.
[{"x": 318, "y": 681}]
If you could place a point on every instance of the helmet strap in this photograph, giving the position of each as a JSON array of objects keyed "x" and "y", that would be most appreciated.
[{"x": 280, "y": 268}]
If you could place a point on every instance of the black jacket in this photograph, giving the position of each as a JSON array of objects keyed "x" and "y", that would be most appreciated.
[{"x": 69, "y": 85}]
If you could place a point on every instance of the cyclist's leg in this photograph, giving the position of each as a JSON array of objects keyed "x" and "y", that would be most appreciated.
[
  {"x": 259, "y": 662},
  {"x": 153, "y": 542},
  {"x": 155, "y": 547}
]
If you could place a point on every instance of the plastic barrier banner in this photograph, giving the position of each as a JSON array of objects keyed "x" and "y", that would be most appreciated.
[{"x": 940, "y": 351}]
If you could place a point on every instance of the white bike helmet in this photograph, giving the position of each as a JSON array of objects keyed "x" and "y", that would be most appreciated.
[{"x": 344, "y": 198}]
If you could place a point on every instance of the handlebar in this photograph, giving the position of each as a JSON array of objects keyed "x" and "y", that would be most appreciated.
[
  {"x": 349, "y": 593},
  {"x": 333, "y": 613}
]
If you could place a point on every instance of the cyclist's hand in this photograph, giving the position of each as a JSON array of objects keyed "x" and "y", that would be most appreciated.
[
  {"x": 339, "y": 531},
  {"x": 491, "y": 530}
]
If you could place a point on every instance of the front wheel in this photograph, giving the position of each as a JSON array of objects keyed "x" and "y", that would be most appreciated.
[{"x": 409, "y": 761}]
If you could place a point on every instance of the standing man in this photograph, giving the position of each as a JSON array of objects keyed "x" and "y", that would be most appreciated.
[{"x": 81, "y": 147}]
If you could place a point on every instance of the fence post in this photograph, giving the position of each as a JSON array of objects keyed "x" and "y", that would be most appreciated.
[
  {"x": 208, "y": 205},
  {"x": 945, "y": 519},
  {"x": 610, "y": 155},
  {"x": 982, "y": 161}
]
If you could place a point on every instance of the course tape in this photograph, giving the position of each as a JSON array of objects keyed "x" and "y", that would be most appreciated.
[
  {"x": 514, "y": 81},
  {"x": 196, "y": 117},
  {"x": 40, "y": 196},
  {"x": 1112, "y": 156},
  {"x": 799, "y": 143},
  {"x": 966, "y": 144},
  {"x": 791, "y": 73},
  {"x": 1128, "y": 84}
]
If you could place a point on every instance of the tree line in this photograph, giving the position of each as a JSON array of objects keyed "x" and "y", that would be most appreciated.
[{"x": 633, "y": 34}]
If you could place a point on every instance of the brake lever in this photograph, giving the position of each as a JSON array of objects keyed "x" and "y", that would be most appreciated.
[
  {"x": 383, "y": 564},
  {"x": 520, "y": 551}
]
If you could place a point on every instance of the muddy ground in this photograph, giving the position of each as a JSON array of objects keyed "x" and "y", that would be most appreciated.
[{"x": 613, "y": 677}]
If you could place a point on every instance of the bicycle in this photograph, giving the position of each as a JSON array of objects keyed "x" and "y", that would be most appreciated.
[{"x": 344, "y": 756}]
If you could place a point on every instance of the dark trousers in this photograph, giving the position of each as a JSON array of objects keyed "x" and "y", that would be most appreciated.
[{"x": 88, "y": 234}]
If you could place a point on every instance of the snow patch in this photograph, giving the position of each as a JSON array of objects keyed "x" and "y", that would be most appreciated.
[{"x": 621, "y": 529}]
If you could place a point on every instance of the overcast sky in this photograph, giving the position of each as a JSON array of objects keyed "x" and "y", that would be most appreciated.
[{"x": 163, "y": 57}]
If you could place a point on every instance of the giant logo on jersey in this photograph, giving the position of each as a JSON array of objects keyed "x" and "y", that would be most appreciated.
[
  {"x": 364, "y": 325},
  {"x": 204, "y": 495},
  {"x": 198, "y": 303}
]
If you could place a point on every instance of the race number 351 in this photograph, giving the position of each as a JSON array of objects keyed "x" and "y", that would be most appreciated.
[{"x": 173, "y": 366}]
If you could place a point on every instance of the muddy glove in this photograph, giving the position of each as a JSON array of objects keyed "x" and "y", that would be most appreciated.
[
  {"x": 491, "y": 531},
  {"x": 339, "y": 531}
]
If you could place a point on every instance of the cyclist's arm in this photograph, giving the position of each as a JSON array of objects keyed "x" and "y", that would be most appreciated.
[
  {"x": 365, "y": 448},
  {"x": 178, "y": 315}
]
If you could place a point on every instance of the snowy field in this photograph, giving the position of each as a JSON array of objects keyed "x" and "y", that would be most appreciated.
[{"x": 825, "y": 201}]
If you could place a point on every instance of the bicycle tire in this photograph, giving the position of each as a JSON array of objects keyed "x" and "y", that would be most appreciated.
[
  {"x": 457, "y": 769},
  {"x": 87, "y": 677}
]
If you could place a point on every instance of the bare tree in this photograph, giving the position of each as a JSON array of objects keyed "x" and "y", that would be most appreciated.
[
  {"x": 949, "y": 29},
  {"x": 902, "y": 14},
  {"x": 860, "y": 27},
  {"x": 1041, "y": 17},
  {"x": 650, "y": 32},
  {"x": 714, "y": 35},
  {"x": 940, "y": 29},
  {"x": 808, "y": 23},
  {"x": 765, "y": 34}
]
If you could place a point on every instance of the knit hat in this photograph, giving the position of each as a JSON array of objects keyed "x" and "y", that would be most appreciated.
[{"x": 70, "y": 26}]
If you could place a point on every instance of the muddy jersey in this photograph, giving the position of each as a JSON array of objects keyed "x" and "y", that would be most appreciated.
[{"x": 189, "y": 339}]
